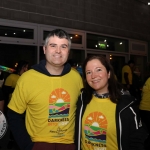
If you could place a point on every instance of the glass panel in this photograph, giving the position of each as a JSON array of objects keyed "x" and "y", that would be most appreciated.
[
  {"x": 15, "y": 32},
  {"x": 75, "y": 38},
  {"x": 10, "y": 54},
  {"x": 78, "y": 55},
  {"x": 42, "y": 56},
  {"x": 92, "y": 54},
  {"x": 106, "y": 43}
]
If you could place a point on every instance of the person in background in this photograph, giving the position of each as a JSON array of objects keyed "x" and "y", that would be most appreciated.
[
  {"x": 145, "y": 109},
  {"x": 48, "y": 93},
  {"x": 11, "y": 80},
  {"x": 106, "y": 117},
  {"x": 127, "y": 76},
  {"x": 8, "y": 88},
  {"x": 137, "y": 84}
]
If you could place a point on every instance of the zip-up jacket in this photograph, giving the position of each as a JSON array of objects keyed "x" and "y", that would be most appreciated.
[{"x": 130, "y": 132}]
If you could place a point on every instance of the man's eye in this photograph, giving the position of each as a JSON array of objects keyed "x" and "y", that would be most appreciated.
[
  {"x": 53, "y": 45},
  {"x": 64, "y": 46}
]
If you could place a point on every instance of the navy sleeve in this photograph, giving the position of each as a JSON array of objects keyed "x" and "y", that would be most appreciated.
[{"x": 17, "y": 126}]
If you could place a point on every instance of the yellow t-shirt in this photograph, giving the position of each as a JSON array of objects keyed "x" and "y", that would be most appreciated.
[
  {"x": 99, "y": 125},
  {"x": 50, "y": 104},
  {"x": 11, "y": 80},
  {"x": 126, "y": 69},
  {"x": 145, "y": 102}
]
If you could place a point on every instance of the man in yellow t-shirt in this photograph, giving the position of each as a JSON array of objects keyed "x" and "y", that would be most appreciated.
[
  {"x": 47, "y": 93},
  {"x": 127, "y": 75}
]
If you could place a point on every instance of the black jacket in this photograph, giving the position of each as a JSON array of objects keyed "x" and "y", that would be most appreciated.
[{"x": 130, "y": 132}]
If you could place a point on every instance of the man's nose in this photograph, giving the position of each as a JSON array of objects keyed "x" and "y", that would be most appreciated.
[{"x": 58, "y": 49}]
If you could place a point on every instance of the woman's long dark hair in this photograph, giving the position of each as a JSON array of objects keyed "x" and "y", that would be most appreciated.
[{"x": 114, "y": 87}]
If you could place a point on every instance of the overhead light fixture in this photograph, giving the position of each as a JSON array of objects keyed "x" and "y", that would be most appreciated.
[{"x": 148, "y": 3}]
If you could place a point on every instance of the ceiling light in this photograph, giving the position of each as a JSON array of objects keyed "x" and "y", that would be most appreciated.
[{"x": 148, "y": 3}]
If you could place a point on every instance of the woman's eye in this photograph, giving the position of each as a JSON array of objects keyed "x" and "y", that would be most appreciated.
[
  {"x": 98, "y": 69},
  {"x": 88, "y": 72}
]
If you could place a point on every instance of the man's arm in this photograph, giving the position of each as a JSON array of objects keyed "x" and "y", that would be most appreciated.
[{"x": 17, "y": 126}]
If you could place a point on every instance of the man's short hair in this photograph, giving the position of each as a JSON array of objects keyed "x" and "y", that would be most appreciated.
[{"x": 130, "y": 62}]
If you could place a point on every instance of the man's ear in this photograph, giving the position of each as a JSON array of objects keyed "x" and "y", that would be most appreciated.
[{"x": 44, "y": 49}]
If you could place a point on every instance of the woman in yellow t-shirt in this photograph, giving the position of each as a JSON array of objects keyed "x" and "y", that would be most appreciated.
[{"x": 106, "y": 117}]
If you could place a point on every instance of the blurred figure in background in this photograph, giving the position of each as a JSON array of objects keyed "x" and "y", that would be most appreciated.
[
  {"x": 127, "y": 76},
  {"x": 8, "y": 88},
  {"x": 11, "y": 80},
  {"x": 145, "y": 109}
]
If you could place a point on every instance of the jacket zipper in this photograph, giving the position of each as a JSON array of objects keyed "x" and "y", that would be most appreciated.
[{"x": 79, "y": 135}]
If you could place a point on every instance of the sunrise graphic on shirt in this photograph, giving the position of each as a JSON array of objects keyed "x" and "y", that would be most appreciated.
[
  {"x": 95, "y": 127},
  {"x": 59, "y": 103}
]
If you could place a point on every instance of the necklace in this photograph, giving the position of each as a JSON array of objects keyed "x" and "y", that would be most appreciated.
[{"x": 105, "y": 95}]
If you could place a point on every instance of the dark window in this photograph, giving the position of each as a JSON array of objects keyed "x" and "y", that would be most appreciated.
[
  {"x": 15, "y": 32},
  {"x": 106, "y": 43}
]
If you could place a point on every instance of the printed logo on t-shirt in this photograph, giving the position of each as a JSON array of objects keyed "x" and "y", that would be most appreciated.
[
  {"x": 95, "y": 129},
  {"x": 59, "y": 105}
]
